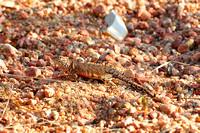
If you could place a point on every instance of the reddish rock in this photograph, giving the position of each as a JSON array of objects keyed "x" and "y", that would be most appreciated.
[
  {"x": 143, "y": 14},
  {"x": 109, "y": 58},
  {"x": 168, "y": 108},
  {"x": 147, "y": 39},
  {"x": 49, "y": 92},
  {"x": 138, "y": 58},
  {"x": 29, "y": 94},
  {"x": 0, "y": 10},
  {"x": 127, "y": 121},
  {"x": 33, "y": 72},
  {"x": 191, "y": 34},
  {"x": 9, "y": 50},
  {"x": 176, "y": 43},
  {"x": 153, "y": 114},
  {"x": 196, "y": 57},
  {"x": 152, "y": 11},
  {"x": 99, "y": 9},
  {"x": 82, "y": 121},
  {"x": 2, "y": 19},
  {"x": 161, "y": 10},
  {"x": 3, "y": 37},
  {"x": 143, "y": 79},
  {"x": 57, "y": 33},
  {"x": 169, "y": 35},
  {"x": 143, "y": 25},
  {"x": 122, "y": 111},
  {"x": 23, "y": 15},
  {"x": 183, "y": 48},
  {"x": 166, "y": 22},
  {"x": 192, "y": 70},
  {"x": 31, "y": 102},
  {"x": 131, "y": 26},
  {"x": 160, "y": 31},
  {"x": 40, "y": 94},
  {"x": 187, "y": 58},
  {"x": 16, "y": 72},
  {"x": 129, "y": 73},
  {"x": 133, "y": 41},
  {"x": 197, "y": 40},
  {"x": 162, "y": 120},
  {"x": 197, "y": 92},
  {"x": 134, "y": 51},
  {"x": 32, "y": 63},
  {"x": 41, "y": 62},
  {"x": 121, "y": 60},
  {"x": 84, "y": 32}
]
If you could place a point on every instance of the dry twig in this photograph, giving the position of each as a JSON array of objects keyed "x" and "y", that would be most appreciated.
[
  {"x": 7, "y": 103},
  {"x": 174, "y": 59}
]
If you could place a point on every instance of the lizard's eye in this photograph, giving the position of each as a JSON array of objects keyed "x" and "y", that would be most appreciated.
[{"x": 60, "y": 57}]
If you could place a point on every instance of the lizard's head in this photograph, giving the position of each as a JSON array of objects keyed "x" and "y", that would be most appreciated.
[{"x": 64, "y": 62}]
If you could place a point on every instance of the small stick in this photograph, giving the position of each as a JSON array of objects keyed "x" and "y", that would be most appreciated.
[
  {"x": 173, "y": 60},
  {"x": 11, "y": 75},
  {"x": 7, "y": 103}
]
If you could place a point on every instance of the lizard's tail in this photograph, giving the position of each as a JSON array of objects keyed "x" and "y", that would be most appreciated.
[{"x": 122, "y": 77}]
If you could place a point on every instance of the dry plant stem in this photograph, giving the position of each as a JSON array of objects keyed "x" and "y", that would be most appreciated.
[
  {"x": 181, "y": 63},
  {"x": 173, "y": 60},
  {"x": 17, "y": 76},
  {"x": 170, "y": 128},
  {"x": 38, "y": 123},
  {"x": 193, "y": 98},
  {"x": 7, "y": 103}
]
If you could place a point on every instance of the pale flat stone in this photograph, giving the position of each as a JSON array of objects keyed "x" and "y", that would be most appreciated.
[
  {"x": 7, "y": 3},
  {"x": 116, "y": 27}
]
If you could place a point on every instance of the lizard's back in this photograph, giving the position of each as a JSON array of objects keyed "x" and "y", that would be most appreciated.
[{"x": 90, "y": 70}]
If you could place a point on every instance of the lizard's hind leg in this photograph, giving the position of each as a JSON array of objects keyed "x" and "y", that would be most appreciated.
[
  {"x": 72, "y": 77},
  {"x": 108, "y": 80}
]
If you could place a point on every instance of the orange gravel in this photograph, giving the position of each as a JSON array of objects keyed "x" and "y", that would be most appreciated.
[{"x": 161, "y": 52}]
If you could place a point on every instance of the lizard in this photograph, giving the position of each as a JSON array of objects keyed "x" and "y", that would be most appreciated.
[{"x": 96, "y": 71}]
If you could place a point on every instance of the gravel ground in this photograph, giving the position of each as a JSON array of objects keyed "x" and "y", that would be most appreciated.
[{"x": 161, "y": 51}]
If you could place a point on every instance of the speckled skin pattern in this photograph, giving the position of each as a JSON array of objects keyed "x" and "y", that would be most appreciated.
[{"x": 74, "y": 68}]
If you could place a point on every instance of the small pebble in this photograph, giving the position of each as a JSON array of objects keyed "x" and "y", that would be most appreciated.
[
  {"x": 139, "y": 58},
  {"x": 99, "y": 9},
  {"x": 9, "y": 50},
  {"x": 41, "y": 62},
  {"x": 182, "y": 48},
  {"x": 192, "y": 70},
  {"x": 127, "y": 121},
  {"x": 49, "y": 92},
  {"x": 129, "y": 73},
  {"x": 2, "y": 66},
  {"x": 33, "y": 72},
  {"x": 153, "y": 115},
  {"x": 168, "y": 108},
  {"x": 147, "y": 39},
  {"x": 54, "y": 115}
]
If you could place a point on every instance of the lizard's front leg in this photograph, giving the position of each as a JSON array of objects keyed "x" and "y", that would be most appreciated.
[
  {"x": 72, "y": 76},
  {"x": 107, "y": 78}
]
